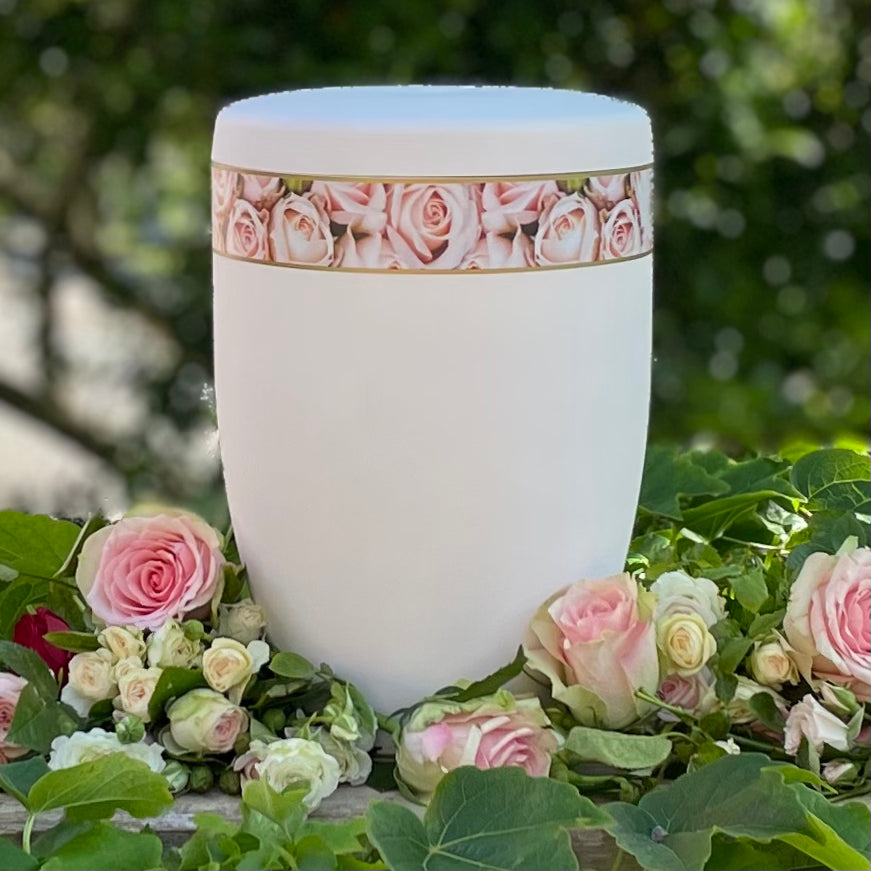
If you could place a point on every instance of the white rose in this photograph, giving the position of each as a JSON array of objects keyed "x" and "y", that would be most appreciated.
[
  {"x": 70, "y": 750},
  {"x": 91, "y": 679},
  {"x": 135, "y": 690},
  {"x": 168, "y": 647},
  {"x": 772, "y": 664},
  {"x": 292, "y": 760},
  {"x": 122, "y": 641},
  {"x": 739, "y": 709},
  {"x": 685, "y": 643},
  {"x": 227, "y": 665},
  {"x": 678, "y": 593},
  {"x": 355, "y": 764},
  {"x": 839, "y": 769},
  {"x": 124, "y": 666},
  {"x": 809, "y": 719},
  {"x": 243, "y": 621},
  {"x": 204, "y": 721}
]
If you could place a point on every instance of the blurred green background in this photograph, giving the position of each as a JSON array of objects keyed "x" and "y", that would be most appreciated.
[{"x": 761, "y": 118}]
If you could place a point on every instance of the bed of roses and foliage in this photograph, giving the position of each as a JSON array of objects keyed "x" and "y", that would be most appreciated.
[{"x": 712, "y": 698}]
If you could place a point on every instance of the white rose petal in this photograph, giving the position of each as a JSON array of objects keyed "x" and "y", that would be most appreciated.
[
  {"x": 292, "y": 760},
  {"x": 809, "y": 719},
  {"x": 169, "y": 647},
  {"x": 122, "y": 641},
  {"x": 70, "y": 750},
  {"x": 678, "y": 593}
]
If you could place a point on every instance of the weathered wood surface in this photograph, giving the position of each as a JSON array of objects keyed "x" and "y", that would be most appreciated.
[{"x": 595, "y": 849}]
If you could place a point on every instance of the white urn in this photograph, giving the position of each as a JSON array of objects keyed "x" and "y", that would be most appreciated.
[{"x": 432, "y": 357}]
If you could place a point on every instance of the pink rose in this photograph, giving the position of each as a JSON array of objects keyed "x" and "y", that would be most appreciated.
[
  {"x": 568, "y": 231},
  {"x": 433, "y": 225},
  {"x": 621, "y": 233},
  {"x": 150, "y": 567},
  {"x": 262, "y": 191},
  {"x": 490, "y": 732},
  {"x": 641, "y": 189},
  {"x": 508, "y": 205},
  {"x": 596, "y": 643},
  {"x": 694, "y": 693},
  {"x": 497, "y": 252},
  {"x": 203, "y": 721},
  {"x": 246, "y": 232},
  {"x": 225, "y": 189},
  {"x": 10, "y": 689},
  {"x": 368, "y": 252},
  {"x": 300, "y": 231},
  {"x": 359, "y": 206},
  {"x": 809, "y": 719},
  {"x": 827, "y": 619},
  {"x": 606, "y": 190}
]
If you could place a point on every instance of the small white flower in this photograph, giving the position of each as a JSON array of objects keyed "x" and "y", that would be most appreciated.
[
  {"x": 170, "y": 647},
  {"x": 70, "y": 750},
  {"x": 292, "y": 760},
  {"x": 227, "y": 665},
  {"x": 91, "y": 679},
  {"x": 809, "y": 719},
  {"x": 135, "y": 689},
  {"x": 243, "y": 621},
  {"x": 729, "y": 745},
  {"x": 122, "y": 641}
]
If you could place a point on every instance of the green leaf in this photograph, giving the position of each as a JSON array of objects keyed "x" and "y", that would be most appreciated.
[
  {"x": 763, "y": 705},
  {"x": 173, "y": 682},
  {"x": 732, "y": 652},
  {"x": 828, "y": 531},
  {"x": 74, "y": 641},
  {"x": 14, "y": 859},
  {"x": 763, "y": 623},
  {"x": 30, "y": 666},
  {"x": 618, "y": 749},
  {"x": 341, "y": 837},
  {"x": 16, "y": 778},
  {"x": 105, "y": 846},
  {"x": 37, "y": 721},
  {"x": 740, "y": 796},
  {"x": 286, "y": 664},
  {"x": 95, "y": 790},
  {"x": 750, "y": 589},
  {"x": 496, "y": 819},
  {"x": 668, "y": 475},
  {"x": 834, "y": 479},
  {"x": 23, "y": 591},
  {"x": 488, "y": 685},
  {"x": 285, "y": 809},
  {"x": 51, "y": 840},
  {"x": 741, "y": 854},
  {"x": 89, "y": 527},
  {"x": 313, "y": 854},
  {"x": 35, "y": 544}
]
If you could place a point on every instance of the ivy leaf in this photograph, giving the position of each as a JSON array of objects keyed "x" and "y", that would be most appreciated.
[
  {"x": 340, "y": 837},
  {"x": 23, "y": 591},
  {"x": 95, "y": 790},
  {"x": 29, "y": 665},
  {"x": 285, "y": 809},
  {"x": 35, "y": 544},
  {"x": 490, "y": 684},
  {"x": 173, "y": 682},
  {"x": 741, "y": 796},
  {"x": 105, "y": 846},
  {"x": 16, "y": 778},
  {"x": 834, "y": 479},
  {"x": 76, "y": 642},
  {"x": 827, "y": 532},
  {"x": 496, "y": 819},
  {"x": 750, "y": 589},
  {"x": 38, "y": 721},
  {"x": 14, "y": 859},
  {"x": 764, "y": 623},
  {"x": 630, "y": 752},
  {"x": 669, "y": 475},
  {"x": 286, "y": 664}
]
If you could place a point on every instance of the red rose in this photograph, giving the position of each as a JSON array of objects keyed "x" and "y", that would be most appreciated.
[{"x": 29, "y": 632}]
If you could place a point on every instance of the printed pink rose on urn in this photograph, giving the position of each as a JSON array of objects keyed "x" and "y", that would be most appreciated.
[
  {"x": 299, "y": 231},
  {"x": 595, "y": 642},
  {"x": 368, "y": 252},
  {"x": 827, "y": 619},
  {"x": 359, "y": 206},
  {"x": 246, "y": 232},
  {"x": 433, "y": 225},
  {"x": 621, "y": 233},
  {"x": 262, "y": 191},
  {"x": 568, "y": 231},
  {"x": 498, "y": 252},
  {"x": 509, "y": 205},
  {"x": 606, "y": 190},
  {"x": 225, "y": 189},
  {"x": 152, "y": 565}
]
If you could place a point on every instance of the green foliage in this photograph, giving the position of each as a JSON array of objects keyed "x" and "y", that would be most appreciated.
[
  {"x": 496, "y": 819},
  {"x": 104, "y": 846},
  {"x": 743, "y": 797},
  {"x": 173, "y": 682},
  {"x": 36, "y": 546},
  {"x": 618, "y": 749}
]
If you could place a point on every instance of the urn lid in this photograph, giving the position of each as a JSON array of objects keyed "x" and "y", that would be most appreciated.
[{"x": 432, "y": 131}]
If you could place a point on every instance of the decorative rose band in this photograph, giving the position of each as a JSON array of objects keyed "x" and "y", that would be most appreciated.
[{"x": 433, "y": 225}]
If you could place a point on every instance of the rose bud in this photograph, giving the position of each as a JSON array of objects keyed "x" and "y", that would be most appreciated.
[
  {"x": 30, "y": 631},
  {"x": 203, "y": 721}
]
